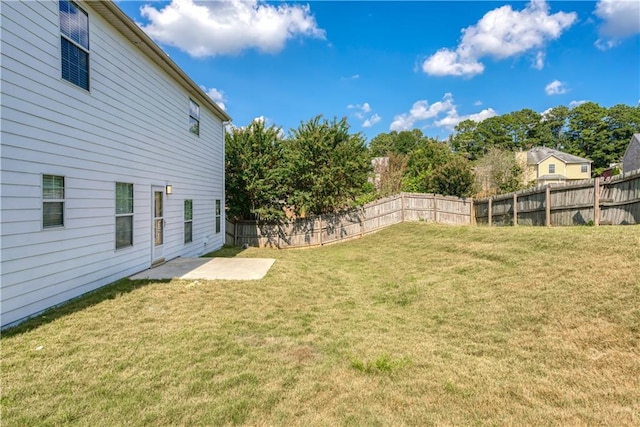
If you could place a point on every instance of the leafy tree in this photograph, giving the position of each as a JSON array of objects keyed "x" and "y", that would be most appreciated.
[
  {"x": 465, "y": 141},
  {"x": 328, "y": 166},
  {"x": 601, "y": 134},
  {"x": 395, "y": 142},
  {"x": 622, "y": 122},
  {"x": 256, "y": 177},
  {"x": 552, "y": 128},
  {"x": 453, "y": 178},
  {"x": 421, "y": 162},
  {"x": 497, "y": 172},
  {"x": 521, "y": 126},
  {"x": 588, "y": 132}
]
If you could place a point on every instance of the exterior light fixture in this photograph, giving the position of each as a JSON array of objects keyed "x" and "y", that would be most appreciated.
[{"x": 169, "y": 189}]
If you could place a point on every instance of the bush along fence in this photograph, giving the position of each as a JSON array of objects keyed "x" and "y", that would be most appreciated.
[
  {"x": 614, "y": 201},
  {"x": 331, "y": 228}
]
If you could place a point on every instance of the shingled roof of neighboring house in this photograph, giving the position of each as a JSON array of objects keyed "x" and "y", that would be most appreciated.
[{"x": 538, "y": 154}]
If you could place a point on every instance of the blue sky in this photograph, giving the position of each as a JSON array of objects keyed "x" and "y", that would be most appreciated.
[{"x": 399, "y": 65}]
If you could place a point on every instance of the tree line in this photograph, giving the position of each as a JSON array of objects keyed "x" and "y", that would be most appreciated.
[
  {"x": 321, "y": 166},
  {"x": 587, "y": 130}
]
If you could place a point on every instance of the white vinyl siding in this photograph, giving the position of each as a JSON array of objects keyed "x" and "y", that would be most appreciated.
[{"x": 130, "y": 128}]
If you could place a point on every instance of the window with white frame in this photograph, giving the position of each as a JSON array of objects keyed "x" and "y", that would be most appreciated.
[
  {"x": 124, "y": 215},
  {"x": 52, "y": 201},
  {"x": 218, "y": 216},
  {"x": 188, "y": 221},
  {"x": 552, "y": 168},
  {"x": 74, "y": 43},
  {"x": 194, "y": 117},
  {"x": 584, "y": 168}
]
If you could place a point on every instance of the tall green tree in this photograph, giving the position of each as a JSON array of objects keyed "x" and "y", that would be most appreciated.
[
  {"x": 422, "y": 161},
  {"x": 453, "y": 178},
  {"x": 402, "y": 142},
  {"x": 328, "y": 166},
  {"x": 553, "y": 127},
  {"x": 257, "y": 179},
  {"x": 465, "y": 141}
]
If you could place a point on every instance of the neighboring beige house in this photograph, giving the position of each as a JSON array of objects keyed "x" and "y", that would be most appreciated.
[
  {"x": 631, "y": 159},
  {"x": 544, "y": 165}
]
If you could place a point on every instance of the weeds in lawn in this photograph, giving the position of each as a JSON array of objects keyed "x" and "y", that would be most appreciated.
[{"x": 383, "y": 364}]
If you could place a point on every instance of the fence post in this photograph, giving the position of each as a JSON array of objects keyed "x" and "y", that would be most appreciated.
[
  {"x": 320, "y": 237},
  {"x": 235, "y": 233},
  {"x": 402, "y": 205},
  {"x": 472, "y": 213},
  {"x": 596, "y": 201},
  {"x": 515, "y": 209},
  {"x": 435, "y": 208},
  {"x": 361, "y": 218},
  {"x": 547, "y": 204},
  {"x": 490, "y": 211}
]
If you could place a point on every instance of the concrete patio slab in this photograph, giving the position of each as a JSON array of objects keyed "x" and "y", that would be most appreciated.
[{"x": 209, "y": 269}]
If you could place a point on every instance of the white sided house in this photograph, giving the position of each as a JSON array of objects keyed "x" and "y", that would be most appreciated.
[{"x": 112, "y": 158}]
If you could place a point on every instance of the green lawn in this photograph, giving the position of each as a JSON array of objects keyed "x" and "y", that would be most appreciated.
[{"x": 418, "y": 324}]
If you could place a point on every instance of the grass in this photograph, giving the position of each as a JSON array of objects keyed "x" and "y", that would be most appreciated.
[{"x": 418, "y": 324}]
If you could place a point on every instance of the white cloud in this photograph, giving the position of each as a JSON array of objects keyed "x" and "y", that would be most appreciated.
[
  {"x": 621, "y": 18},
  {"x": 212, "y": 28},
  {"x": 371, "y": 121},
  {"x": 576, "y": 103},
  {"x": 539, "y": 63},
  {"x": 365, "y": 108},
  {"x": 452, "y": 118},
  {"x": 545, "y": 113},
  {"x": 501, "y": 33},
  {"x": 449, "y": 63},
  {"x": 422, "y": 111},
  {"x": 362, "y": 111},
  {"x": 556, "y": 87},
  {"x": 477, "y": 103},
  {"x": 217, "y": 96}
]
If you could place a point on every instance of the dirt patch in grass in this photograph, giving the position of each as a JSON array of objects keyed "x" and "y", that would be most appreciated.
[{"x": 415, "y": 325}]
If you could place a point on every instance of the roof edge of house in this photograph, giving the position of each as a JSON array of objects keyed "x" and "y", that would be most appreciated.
[{"x": 156, "y": 54}]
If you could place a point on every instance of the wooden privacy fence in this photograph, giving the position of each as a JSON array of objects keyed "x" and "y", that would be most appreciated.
[
  {"x": 614, "y": 201},
  {"x": 324, "y": 229}
]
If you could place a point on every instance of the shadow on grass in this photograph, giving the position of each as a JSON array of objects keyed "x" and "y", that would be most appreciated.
[
  {"x": 227, "y": 251},
  {"x": 107, "y": 292},
  {"x": 104, "y": 293}
]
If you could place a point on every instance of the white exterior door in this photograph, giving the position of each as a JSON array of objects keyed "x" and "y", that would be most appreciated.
[{"x": 157, "y": 226}]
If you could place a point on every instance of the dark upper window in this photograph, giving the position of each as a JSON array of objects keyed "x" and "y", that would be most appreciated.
[
  {"x": 552, "y": 168},
  {"x": 194, "y": 117},
  {"x": 584, "y": 168},
  {"x": 74, "y": 43}
]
